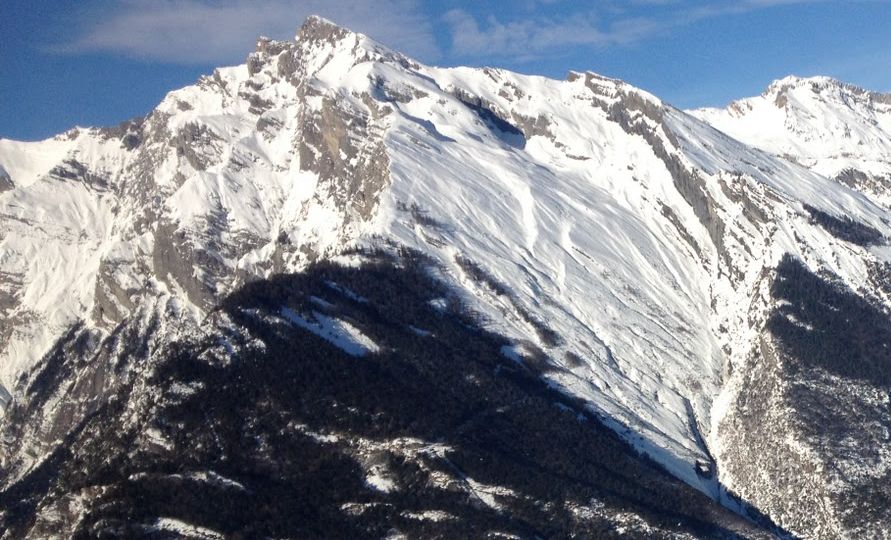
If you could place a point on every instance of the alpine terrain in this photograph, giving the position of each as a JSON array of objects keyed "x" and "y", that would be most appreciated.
[{"x": 333, "y": 292}]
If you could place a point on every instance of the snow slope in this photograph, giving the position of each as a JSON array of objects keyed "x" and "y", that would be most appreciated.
[{"x": 623, "y": 239}]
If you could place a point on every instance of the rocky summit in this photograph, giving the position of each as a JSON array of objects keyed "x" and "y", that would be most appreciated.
[{"x": 334, "y": 292}]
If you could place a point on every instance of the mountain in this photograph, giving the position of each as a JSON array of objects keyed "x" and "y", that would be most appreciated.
[
  {"x": 836, "y": 129},
  {"x": 702, "y": 309}
]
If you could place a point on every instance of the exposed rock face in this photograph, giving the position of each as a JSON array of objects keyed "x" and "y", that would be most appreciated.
[
  {"x": 623, "y": 249},
  {"x": 5, "y": 181},
  {"x": 198, "y": 145},
  {"x": 344, "y": 148},
  {"x": 876, "y": 185},
  {"x": 129, "y": 133},
  {"x": 113, "y": 301}
]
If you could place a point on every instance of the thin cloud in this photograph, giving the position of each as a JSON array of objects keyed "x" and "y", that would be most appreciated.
[
  {"x": 617, "y": 22},
  {"x": 198, "y": 32},
  {"x": 538, "y": 34}
]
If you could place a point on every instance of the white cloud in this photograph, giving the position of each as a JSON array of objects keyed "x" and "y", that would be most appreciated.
[
  {"x": 612, "y": 22},
  {"x": 200, "y": 31},
  {"x": 539, "y": 34}
]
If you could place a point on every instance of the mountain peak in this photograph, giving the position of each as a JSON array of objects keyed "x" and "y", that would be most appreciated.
[
  {"x": 822, "y": 86},
  {"x": 316, "y": 28},
  {"x": 317, "y": 42},
  {"x": 779, "y": 89},
  {"x": 795, "y": 81}
]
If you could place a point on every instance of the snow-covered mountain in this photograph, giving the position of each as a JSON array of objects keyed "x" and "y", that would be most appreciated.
[
  {"x": 639, "y": 258},
  {"x": 835, "y": 129}
]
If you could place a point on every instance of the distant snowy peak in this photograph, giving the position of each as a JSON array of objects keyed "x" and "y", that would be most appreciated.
[
  {"x": 796, "y": 94},
  {"x": 828, "y": 89},
  {"x": 836, "y": 129}
]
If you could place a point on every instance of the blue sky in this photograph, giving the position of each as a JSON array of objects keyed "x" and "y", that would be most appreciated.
[{"x": 97, "y": 62}]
